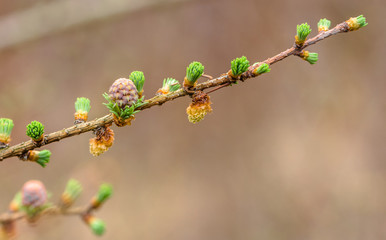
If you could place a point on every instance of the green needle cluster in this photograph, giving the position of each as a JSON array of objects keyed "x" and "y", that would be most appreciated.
[
  {"x": 193, "y": 72},
  {"x": 105, "y": 192},
  {"x": 303, "y": 30},
  {"x": 82, "y": 104},
  {"x": 6, "y": 126},
  {"x": 73, "y": 190},
  {"x": 356, "y": 23},
  {"x": 263, "y": 68},
  {"x": 312, "y": 57},
  {"x": 43, "y": 157},
  {"x": 138, "y": 79},
  {"x": 98, "y": 226},
  {"x": 35, "y": 130},
  {"x": 361, "y": 21},
  {"x": 171, "y": 84},
  {"x": 324, "y": 24},
  {"x": 239, "y": 66}
]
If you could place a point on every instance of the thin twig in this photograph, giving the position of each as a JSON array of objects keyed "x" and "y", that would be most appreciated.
[
  {"x": 54, "y": 210},
  {"x": 224, "y": 79}
]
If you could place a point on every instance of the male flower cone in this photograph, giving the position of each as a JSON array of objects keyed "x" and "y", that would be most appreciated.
[
  {"x": 103, "y": 140},
  {"x": 199, "y": 107}
]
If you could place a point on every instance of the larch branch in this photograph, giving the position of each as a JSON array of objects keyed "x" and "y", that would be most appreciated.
[{"x": 223, "y": 80}]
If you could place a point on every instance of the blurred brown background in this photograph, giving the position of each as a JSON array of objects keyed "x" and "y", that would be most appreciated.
[{"x": 298, "y": 153}]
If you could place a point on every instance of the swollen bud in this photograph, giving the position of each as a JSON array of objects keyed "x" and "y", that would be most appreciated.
[
  {"x": 105, "y": 191},
  {"x": 71, "y": 193},
  {"x": 356, "y": 23},
  {"x": 82, "y": 107},
  {"x": 97, "y": 226}
]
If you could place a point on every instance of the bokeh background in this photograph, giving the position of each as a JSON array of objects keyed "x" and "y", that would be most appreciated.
[{"x": 298, "y": 153}]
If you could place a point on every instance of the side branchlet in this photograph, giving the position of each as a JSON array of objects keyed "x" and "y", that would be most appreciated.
[
  {"x": 31, "y": 203},
  {"x": 310, "y": 57}
]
